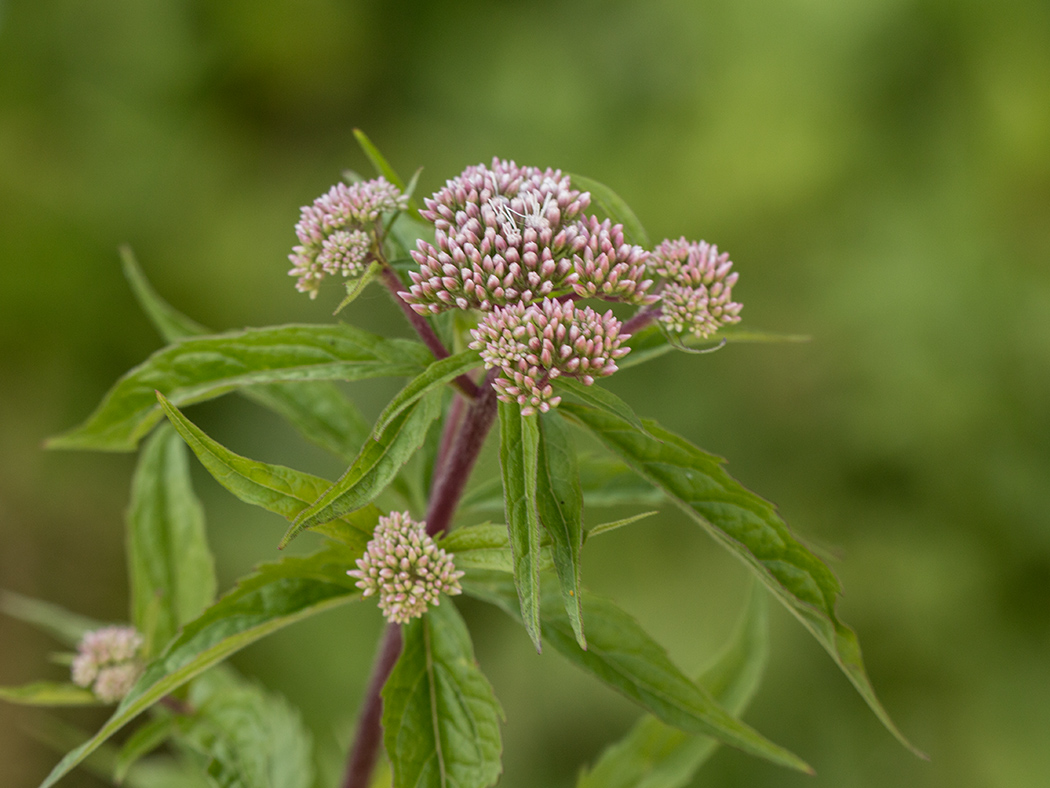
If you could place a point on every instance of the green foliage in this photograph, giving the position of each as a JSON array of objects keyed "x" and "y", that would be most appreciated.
[
  {"x": 49, "y": 693},
  {"x": 170, "y": 568},
  {"x": 439, "y": 372},
  {"x": 615, "y": 208},
  {"x": 440, "y": 718},
  {"x": 142, "y": 742},
  {"x": 64, "y": 626},
  {"x": 519, "y": 439}
]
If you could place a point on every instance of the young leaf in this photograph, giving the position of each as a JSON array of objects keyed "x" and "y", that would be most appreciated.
[
  {"x": 273, "y": 487},
  {"x": 141, "y": 743},
  {"x": 378, "y": 161},
  {"x": 439, "y": 372},
  {"x": 49, "y": 693},
  {"x": 170, "y": 568},
  {"x": 655, "y": 755},
  {"x": 355, "y": 287},
  {"x": 610, "y": 203},
  {"x": 650, "y": 342},
  {"x": 375, "y": 467},
  {"x": 200, "y": 368},
  {"x": 604, "y": 528},
  {"x": 440, "y": 717},
  {"x": 64, "y": 626},
  {"x": 518, "y": 459},
  {"x": 746, "y": 525},
  {"x": 559, "y": 502},
  {"x": 277, "y": 595},
  {"x": 622, "y": 655}
]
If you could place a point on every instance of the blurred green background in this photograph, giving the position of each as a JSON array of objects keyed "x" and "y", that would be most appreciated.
[{"x": 880, "y": 172}]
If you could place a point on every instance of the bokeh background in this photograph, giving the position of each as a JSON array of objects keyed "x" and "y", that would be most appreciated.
[{"x": 880, "y": 171}]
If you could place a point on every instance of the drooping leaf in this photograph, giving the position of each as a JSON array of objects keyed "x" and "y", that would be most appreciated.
[
  {"x": 200, "y": 368},
  {"x": 355, "y": 287},
  {"x": 655, "y": 755},
  {"x": 613, "y": 206},
  {"x": 277, "y": 595},
  {"x": 559, "y": 502},
  {"x": 439, "y": 372},
  {"x": 518, "y": 459},
  {"x": 141, "y": 743},
  {"x": 317, "y": 409},
  {"x": 49, "y": 693},
  {"x": 748, "y": 526},
  {"x": 650, "y": 342},
  {"x": 440, "y": 717},
  {"x": 273, "y": 487},
  {"x": 623, "y": 656},
  {"x": 375, "y": 467},
  {"x": 171, "y": 572},
  {"x": 64, "y": 626}
]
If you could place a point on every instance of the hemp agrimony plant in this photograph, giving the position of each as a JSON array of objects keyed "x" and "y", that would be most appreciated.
[{"x": 506, "y": 275}]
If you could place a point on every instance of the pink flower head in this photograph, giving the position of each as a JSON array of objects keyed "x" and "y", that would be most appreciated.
[
  {"x": 404, "y": 566},
  {"x": 336, "y": 233},
  {"x": 110, "y": 659},
  {"x": 608, "y": 267},
  {"x": 503, "y": 235},
  {"x": 697, "y": 297},
  {"x": 533, "y": 344}
]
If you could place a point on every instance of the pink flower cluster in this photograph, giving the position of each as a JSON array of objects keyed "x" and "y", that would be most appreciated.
[
  {"x": 337, "y": 232},
  {"x": 108, "y": 660},
  {"x": 507, "y": 234},
  {"x": 404, "y": 566},
  {"x": 696, "y": 297},
  {"x": 535, "y": 343}
]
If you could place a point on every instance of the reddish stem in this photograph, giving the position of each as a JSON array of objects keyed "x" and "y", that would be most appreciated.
[{"x": 641, "y": 319}]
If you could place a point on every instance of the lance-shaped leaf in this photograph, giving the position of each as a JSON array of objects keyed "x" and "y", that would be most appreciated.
[
  {"x": 622, "y": 655},
  {"x": 652, "y": 342},
  {"x": 61, "y": 624},
  {"x": 277, "y": 595},
  {"x": 439, "y": 372},
  {"x": 378, "y": 160},
  {"x": 440, "y": 717},
  {"x": 518, "y": 458},
  {"x": 170, "y": 568},
  {"x": 317, "y": 409},
  {"x": 655, "y": 755},
  {"x": 49, "y": 693},
  {"x": 559, "y": 502},
  {"x": 375, "y": 467},
  {"x": 748, "y": 526},
  {"x": 613, "y": 206},
  {"x": 200, "y": 368},
  {"x": 355, "y": 287},
  {"x": 273, "y": 487}
]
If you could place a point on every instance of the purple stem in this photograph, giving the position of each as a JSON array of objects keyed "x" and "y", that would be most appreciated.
[
  {"x": 369, "y": 729},
  {"x": 641, "y": 319},
  {"x": 424, "y": 329}
]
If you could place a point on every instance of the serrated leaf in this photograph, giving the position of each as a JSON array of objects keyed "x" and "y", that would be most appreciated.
[
  {"x": 375, "y": 467},
  {"x": 170, "y": 568},
  {"x": 49, "y": 693},
  {"x": 559, "y": 502},
  {"x": 622, "y": 655},
  {"x": 650, "y": 342},
  {"x": 613, "y": 206},
  {"x": 439, "y": 372},
  {"x": 141, "y": 743},
  {"x": 200, "y": 368},
  {"x": 355, "y": 287},
  {"x": 61, "y": 624},
  {"x": 273, "y": 487},
  {"x": 655, "y": 755},
  {"x": 440, "y": 717},
  {"x": 518, "y": 459},
  {"x": 745, "y": 524},
  {"x": 277, "y": 595}
]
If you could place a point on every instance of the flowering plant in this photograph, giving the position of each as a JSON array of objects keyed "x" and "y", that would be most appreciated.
[{"x": 511, "y": 268}]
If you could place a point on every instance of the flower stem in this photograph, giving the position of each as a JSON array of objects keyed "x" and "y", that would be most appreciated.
[
  {"x": 641, "y": 319},
  {"x": 364, "y": 753}
]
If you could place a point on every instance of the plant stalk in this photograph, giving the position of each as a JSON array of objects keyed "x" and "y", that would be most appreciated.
[{"x": 369, "y": 737}]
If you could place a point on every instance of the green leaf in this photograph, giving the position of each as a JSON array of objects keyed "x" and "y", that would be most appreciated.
[
  {"x": 651, "y": 342},
  {"x": 141, "y": 743},
  {"x": 655, "y": 755},
  {"x": 518, "y": 459},
  {"x": 170, "y": 568},
  {"x": 273, "y": 487},
  {"x": 746, "y": 525},
  {"x": 615, "y": 208},
  {"x": 623, "y": 656},
  {"x": 355, "y": 287},
  {"x": 608, "y": 482},
  {"x": 480, "y": 547},
  {"x": 245, "y": 736},
  {"x": 375, "y": 467},
  {"x": 559, "y": 502},
  {"x": 604, "y": 528},
  {"x": 277, "y": 595},
  {"x": 317, "y": 408},
  {"x": 440, "y": 717},
  {"x": 438, "y": 373},
  {"x": 200, "y": 368},
  {"x": 64, "y": 626},
  {"x": 378, "y": 161},
  {"x": 49, "y": 693},
  {"x": 597, "y": 398}
]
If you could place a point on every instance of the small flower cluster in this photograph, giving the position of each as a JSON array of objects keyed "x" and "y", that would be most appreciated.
[
  {"x": 108, "y": 660},
  {"x": 404, "y": 566},
  {"x": 696, "y": 297},
  {"x": 337, "y": 232},
  {"x": 535, "y": 343}
]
